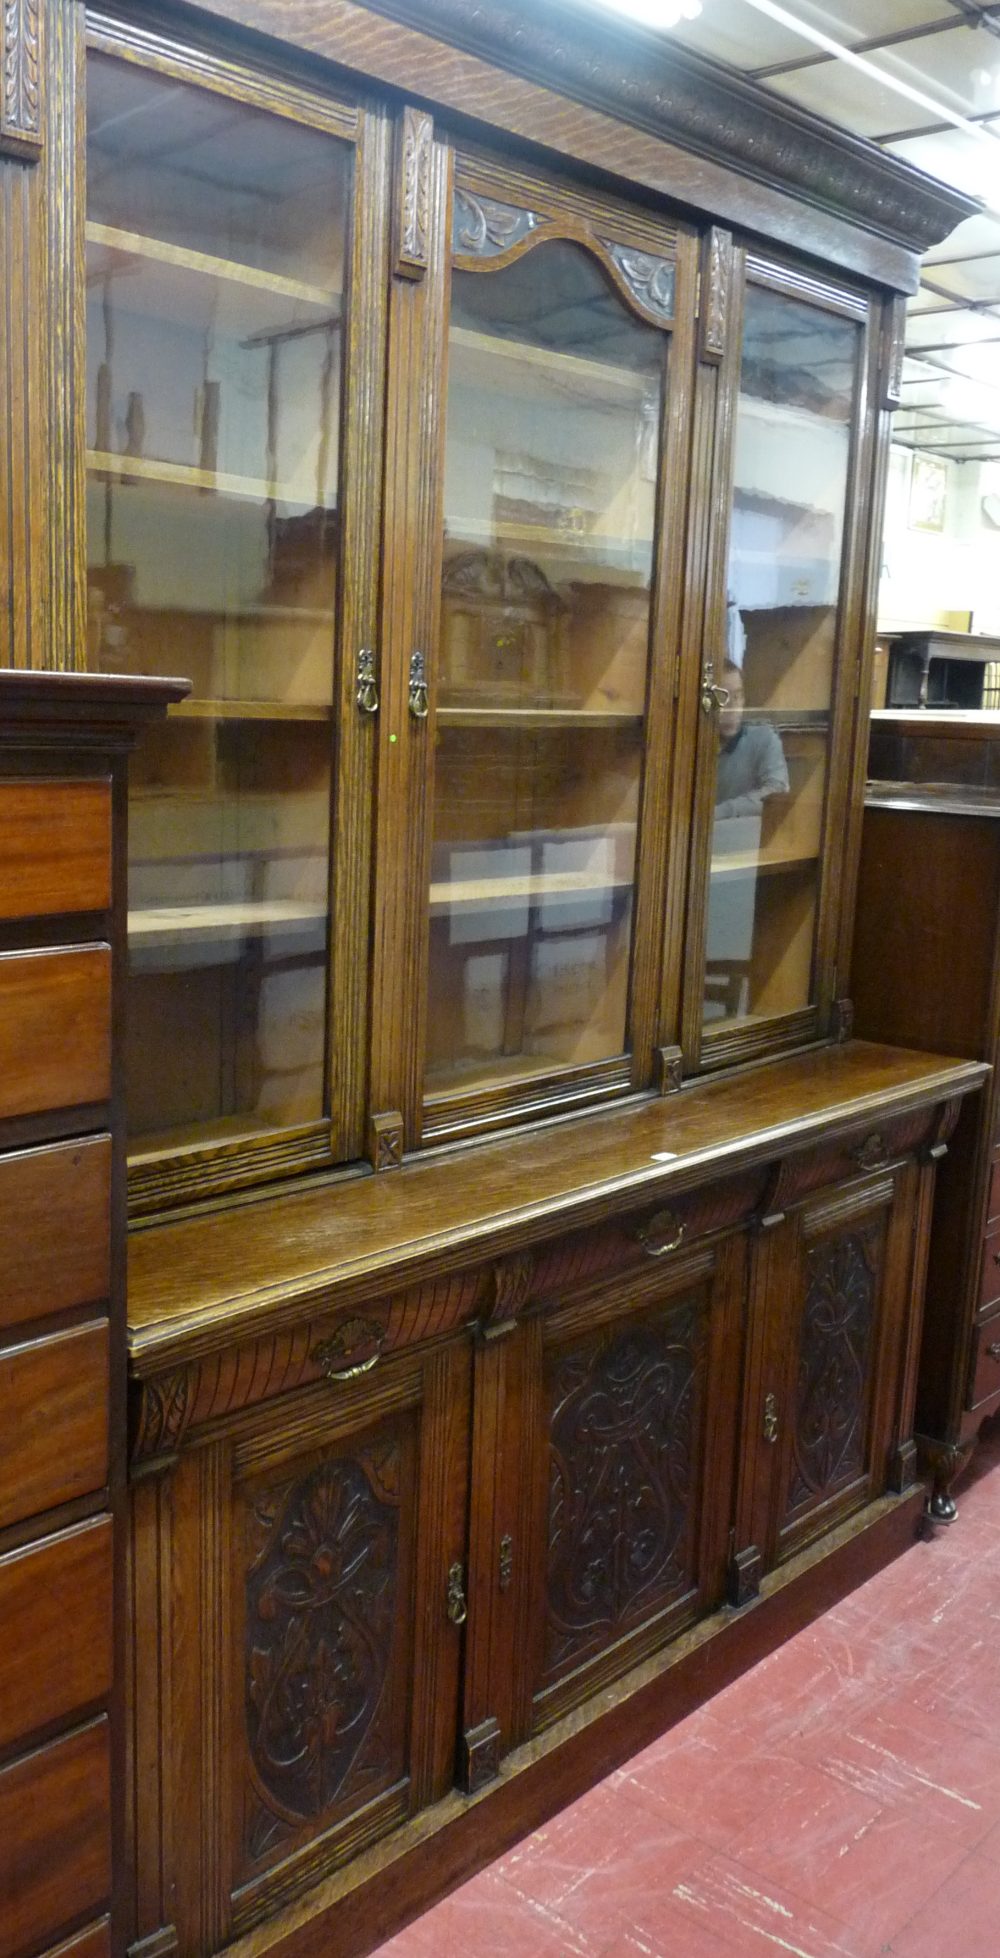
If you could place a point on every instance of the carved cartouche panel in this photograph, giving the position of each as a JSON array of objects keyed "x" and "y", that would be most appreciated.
[
  {"x": 624, "y": 1441},
  {"x": 482, "y": 227},
  {"x": 831, "y": 1399},
  {"x": 323, "y": 1575}
]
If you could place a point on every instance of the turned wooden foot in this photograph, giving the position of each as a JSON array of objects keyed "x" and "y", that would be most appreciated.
[{"x": 946, "y": 1460}]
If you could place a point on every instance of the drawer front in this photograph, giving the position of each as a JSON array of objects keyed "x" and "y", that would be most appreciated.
[
  {"x": 985, "y": 1369},
  {"x": 55, "y": 1029},
  {"x": 47, "y": 1268},
  {"x": 993, "y": 1206},
  {"x": 55, "y": 1832},
  {"x": 94, "y": 1942},
  {"x": 55, "y": 847},
  {"x": 989, "y": 1271},
  {"x": 56, "y": 1597},
  {"x": 53, "y": 1421}
]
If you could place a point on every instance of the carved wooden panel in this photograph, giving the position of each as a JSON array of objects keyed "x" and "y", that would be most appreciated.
[
  {"x": 829, "y": 1419},
  {"x": 624, "y": 1418},
  {"x": 484, "y": 227},
  {"x": 327, "y": 1559},
  {"x": 20, "y": 99},
  {"x": 414, "y": 193}
]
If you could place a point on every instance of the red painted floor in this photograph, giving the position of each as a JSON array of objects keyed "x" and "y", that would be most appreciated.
[{"x": 842, "y": 1800}]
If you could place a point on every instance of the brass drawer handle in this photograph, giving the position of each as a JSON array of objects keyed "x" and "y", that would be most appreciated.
[
  {"x": 993, "y": 1351},
  {"x": 456, "y": 1605},
  {"x": 353, "y": 1373},
  {"x": 663, "y": 1233}
]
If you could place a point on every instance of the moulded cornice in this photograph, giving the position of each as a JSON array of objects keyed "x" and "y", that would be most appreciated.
[{"x": 626, "y": 70}]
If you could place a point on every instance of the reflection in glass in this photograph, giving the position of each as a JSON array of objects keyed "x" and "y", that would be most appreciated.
[
  {"x": 792, "y": 449},
  {"x": 554, "y": 411},
  {"x": 215, "y": 238}
]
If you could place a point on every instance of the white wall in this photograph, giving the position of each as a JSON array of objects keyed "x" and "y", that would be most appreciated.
[{"x": 940, "y": 577}]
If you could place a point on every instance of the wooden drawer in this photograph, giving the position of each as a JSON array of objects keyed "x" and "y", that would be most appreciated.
[
  {"x": 984, "y": 1371},
  {"x": 55, "y": 1839},
  {"x": 56, "y": 1600},
  {"x": 55, "y": 1029},
  {"x": 55, "y": 847},
  {"x": 989, "y": 1271},
  {"x": 53, "y": 1421},
  {"x": 55, "y": 1229}
]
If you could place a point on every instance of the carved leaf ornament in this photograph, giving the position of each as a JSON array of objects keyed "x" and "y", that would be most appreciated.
[{"x": 831, "y": 1396}]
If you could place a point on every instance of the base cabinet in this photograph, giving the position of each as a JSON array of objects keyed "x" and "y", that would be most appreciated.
[{"x": 517, "y": 1487}]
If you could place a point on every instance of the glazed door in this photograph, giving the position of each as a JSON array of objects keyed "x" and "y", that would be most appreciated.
[
  {"x": 231, "y": 229},
  {"x": 549, "y": 675},
  {"x": 777, "y": 689},
  {"x": 607, "y": 1529}
]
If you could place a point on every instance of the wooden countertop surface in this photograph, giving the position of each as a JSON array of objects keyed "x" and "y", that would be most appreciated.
[{"x": 197, "y": 1284}]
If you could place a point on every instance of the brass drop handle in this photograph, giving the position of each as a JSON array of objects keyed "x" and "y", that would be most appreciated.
[
  {"x": 663, "y": 1233},
  {"x": 994, "y": 1350},
  {"x": 366, "y": 685},
  {"x": 712, "y": 696},
  {"x": 770, "y": 1418},
  {"x": 418, "y": 686},
  {"x": 352, "y": 1373},
  {"x": 456, "y": 1605}
]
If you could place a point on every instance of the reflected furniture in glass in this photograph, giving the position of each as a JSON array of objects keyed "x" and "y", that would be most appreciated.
[
  {"x": 526, "y": 1264},
  {"x": 925, "y": 971}
]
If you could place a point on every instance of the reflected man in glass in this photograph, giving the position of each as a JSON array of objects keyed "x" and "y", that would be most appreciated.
[{"x": 751, "y": 763}]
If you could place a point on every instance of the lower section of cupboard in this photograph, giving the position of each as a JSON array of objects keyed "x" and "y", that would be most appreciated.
[{"x": 391, "y": 1882}]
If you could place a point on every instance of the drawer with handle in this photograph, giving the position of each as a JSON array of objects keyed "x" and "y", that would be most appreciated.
[{"x": 53, "y": 1420}]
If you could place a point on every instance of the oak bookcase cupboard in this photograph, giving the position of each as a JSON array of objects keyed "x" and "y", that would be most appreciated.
[
  {"x": 930, "y": 877},
  {"x": 526, "y": 1276}
]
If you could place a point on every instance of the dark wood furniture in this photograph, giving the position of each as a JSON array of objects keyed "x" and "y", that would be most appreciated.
[
  {"x": 927, "y": 968},
  {"x": 937, "y": 668},
  {"x": 63, "y": 743},
  {"x": 527, "y": 1266}
]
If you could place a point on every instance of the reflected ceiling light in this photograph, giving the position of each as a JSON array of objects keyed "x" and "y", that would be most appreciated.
[{"x": 656, "y": 13}]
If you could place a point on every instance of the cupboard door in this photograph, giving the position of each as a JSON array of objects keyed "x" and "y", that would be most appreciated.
[
  {"x": 778, "y": 675},
  {"x": 830, "y": 1301},
  {"x": 565, "y": 405},
  {"x": 225, "y": 222},
  {"x": 621, "y": 1464},
  {"x": 330, "y": 1534}
]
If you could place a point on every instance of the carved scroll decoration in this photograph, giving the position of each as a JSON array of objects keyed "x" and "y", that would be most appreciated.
[
  {"x": 624, "y": 1438},
  {"x": 650, "y": 280},
  {"x": 321, "y": 1606},
  {"x": 482, "y": 227},
  {"x": 414, "y": 191},
  {"x": 828, "y": 1440},
  {"x": 20, "y": 103}
]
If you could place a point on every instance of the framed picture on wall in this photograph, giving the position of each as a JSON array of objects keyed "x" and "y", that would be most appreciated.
[{"x": 928, "y": 492}]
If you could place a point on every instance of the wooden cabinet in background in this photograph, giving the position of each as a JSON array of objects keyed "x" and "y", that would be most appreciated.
[{"x": 927, "y": 969}]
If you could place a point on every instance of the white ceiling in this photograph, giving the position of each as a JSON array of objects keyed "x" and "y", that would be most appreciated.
[{"x": 927, "y": 88}]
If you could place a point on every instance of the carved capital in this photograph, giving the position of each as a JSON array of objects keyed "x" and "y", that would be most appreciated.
[
  {"x": 413, "y": 193},
  {"x": 21, "y": 99},
  {"x": 481, "y": 1751},
  {"x": 669, "y": 1065},
  {"x": 164, "y": 1412},
  {"x": 386, "y": 1140},
  {"x": 746, "y": 1569}
]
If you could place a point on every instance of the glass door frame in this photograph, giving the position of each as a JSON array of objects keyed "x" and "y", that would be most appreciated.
[
  {"x": 158, "y": 1180},
  {"x": 563, "y": 212},
  {"x": 704, "y": 1048}
]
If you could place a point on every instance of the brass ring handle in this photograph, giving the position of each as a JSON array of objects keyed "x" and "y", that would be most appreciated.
[
  {"x": 655, "y": 1245},
  {"x": 418, "y": 687},
  {"x": 352, "y": 1373}
]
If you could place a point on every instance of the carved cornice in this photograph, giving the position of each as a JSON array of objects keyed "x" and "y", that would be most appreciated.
[
  {"x": 646, "y": 80},
  {"x": 21, "y": 103}
]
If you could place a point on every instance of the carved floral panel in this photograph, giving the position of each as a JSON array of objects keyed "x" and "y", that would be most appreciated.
[
  {"x": 624, "y": 1442},
  {"x": 836, "y": 1343},
  {"x": 324, "y": 1577}
]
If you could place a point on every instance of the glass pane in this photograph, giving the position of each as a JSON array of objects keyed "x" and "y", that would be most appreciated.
[
  {"x": 215, "y": 272},
  {"x": 554, "y": 411},
  {"x": 793, "y": 435}
]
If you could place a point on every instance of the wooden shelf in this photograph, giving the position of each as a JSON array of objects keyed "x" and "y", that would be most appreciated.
[
  {"x": 510, "y": 890},
  {"x": 529, "y": 538},
  {"x": 536, "y": 719},
  {"x": 250, "y": 710},
  {"x": 737, "y": 863},
  {"x": 481, "y": 353},
  {"x": 167, "y": 924},
  {"x": 182, "y": 475},
  {"x": 118, "y": 250}
]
